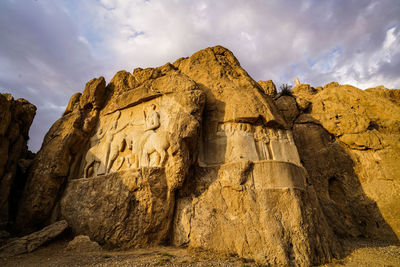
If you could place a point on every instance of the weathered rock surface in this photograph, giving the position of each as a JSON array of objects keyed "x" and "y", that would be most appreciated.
[
  {"x": 197, "y": 153},
  {"x": 355, "y": 136},
  {"x": 249, "y": 195},
  {"x": 82, "y": 243},
  {"x": 60, "y": 150},
  {"x": 131, "y": 208},
  {"x": 268, "y": 87},
  {"x": 31, "y": 242},
  {"x": 111, "y": 165},
  {"x": 16, "y": 117}
]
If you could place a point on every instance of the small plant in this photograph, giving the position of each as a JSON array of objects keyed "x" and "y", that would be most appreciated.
[{"x": 286, "y": 89}]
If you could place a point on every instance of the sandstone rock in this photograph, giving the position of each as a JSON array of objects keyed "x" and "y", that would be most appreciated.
[
  {"x": 288, "y": 108},
  {"x": 263, "y": 211},
  {"x": 220, "y": 76},
  {"x": 197, "y": 153},
  {"x": 82, "y": 243},
  {"x": 303, "y": 104},
  {"x": 391, "y": 94},
  {"x": 357, "y": 171},
  {"x": 249, "y": 175},
  {"x": 131, "y": 208},
  {"x": 268, "y": 87},
  {"x": 61, "y": 149},
  {"x": 16, "y": 116},
  {"x": 31, "y": 242},
  {"x": 145, "y": 135},
  {"x": 304, "y": 91}
]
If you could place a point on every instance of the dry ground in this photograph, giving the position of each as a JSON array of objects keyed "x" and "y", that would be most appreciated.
[{"x": 360, "y": 253}]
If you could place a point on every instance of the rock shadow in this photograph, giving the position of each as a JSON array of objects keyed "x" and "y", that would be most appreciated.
[{"x": 350, "y": 213}]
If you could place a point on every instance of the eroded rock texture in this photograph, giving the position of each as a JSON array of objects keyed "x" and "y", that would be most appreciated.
[
  {"x": 196, "y": 153},
  {"x": 111, "y": 165},
  {"x": 16, "y": 117},
  {"x": 355, "y": 136},
  {"x": 249, "y": 195}
]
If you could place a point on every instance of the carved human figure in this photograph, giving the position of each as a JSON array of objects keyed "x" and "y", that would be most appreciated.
[
  {"x": 297, "y": 81},
  {"x": 151, "y": 118},
  {"x": 151, "y": 140},
  {"x": 262, "y": 141},
  {"x": 102, "y": 154}
]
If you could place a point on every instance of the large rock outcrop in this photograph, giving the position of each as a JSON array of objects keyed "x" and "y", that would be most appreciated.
[
  {"x": 16, "y": 117},
  {"x": 197, "y": 153},
  {"x": 355, "y": 136},
  {"x": 249, "y": 194},
  {"x": 111, "y": 165},
  {"x": 61, "y": 149}
]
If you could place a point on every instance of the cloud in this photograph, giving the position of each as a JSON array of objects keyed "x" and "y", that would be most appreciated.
[
  {"x": 42, "y": 59},
  {"x": 52, "y": 48}
]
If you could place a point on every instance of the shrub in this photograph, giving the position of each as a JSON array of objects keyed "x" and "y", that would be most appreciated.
[{"x": 286, "y": 89}]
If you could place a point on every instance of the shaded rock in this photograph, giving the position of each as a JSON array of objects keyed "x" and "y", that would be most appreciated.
[
  {"x": 358, "y": 151},
  {"x": 61, "y": 149},
  {"x": 288, "y": 108},
  {"x": 131, "y": 208},
  {"x": 31, "y": 242},
  {"x": 82, "y": 243},
  {"x": 263, "y": 211},
  {"x": 16, "y": 117}
]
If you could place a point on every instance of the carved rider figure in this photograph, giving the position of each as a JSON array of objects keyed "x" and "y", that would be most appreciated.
[{"x": 151, "y": 118}]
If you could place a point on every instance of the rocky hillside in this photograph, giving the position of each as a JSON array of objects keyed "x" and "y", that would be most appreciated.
[{"x": 198, "y": 154}]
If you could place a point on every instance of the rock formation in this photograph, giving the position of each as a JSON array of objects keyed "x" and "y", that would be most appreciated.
[
  {"x": 355, "y": 135},
  {"x": 31, "y": 242},
  {"x": 198, "y": 154},
  {"x": 16, "y": 117}
]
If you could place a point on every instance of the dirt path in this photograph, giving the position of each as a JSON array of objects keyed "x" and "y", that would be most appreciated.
[{"x": 55, "y": 254}]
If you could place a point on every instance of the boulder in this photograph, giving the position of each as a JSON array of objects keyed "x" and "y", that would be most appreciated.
[
  {"x": 82, "y": 243},
  {"x": 33, "y": 241},
  {"x": 288, "y": 108},
  {"x": 131, "y": 208}
]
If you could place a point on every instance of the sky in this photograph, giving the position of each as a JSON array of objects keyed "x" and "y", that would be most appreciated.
[{"x": 49, "y": 49}]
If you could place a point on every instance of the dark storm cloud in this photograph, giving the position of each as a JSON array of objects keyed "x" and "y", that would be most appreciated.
[{"x": 51, "y": 48}]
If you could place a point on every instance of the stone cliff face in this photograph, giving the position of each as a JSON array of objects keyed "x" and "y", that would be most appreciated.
[
  {"x": 198, "y": 154},
  {"x": 16, "y": 117},
  {"x": 355, "y": 136}
]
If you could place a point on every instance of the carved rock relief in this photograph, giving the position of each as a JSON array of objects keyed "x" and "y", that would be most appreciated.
[
  {"x": 131, "y": 138},
  {"x": 232, "y": 142}
]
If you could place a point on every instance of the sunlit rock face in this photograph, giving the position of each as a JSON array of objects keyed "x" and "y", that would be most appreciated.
[
  {"x": 355, "y": 136},
  {"x": 198, "y": 154},
  {"x": 248, "y": 194}
]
